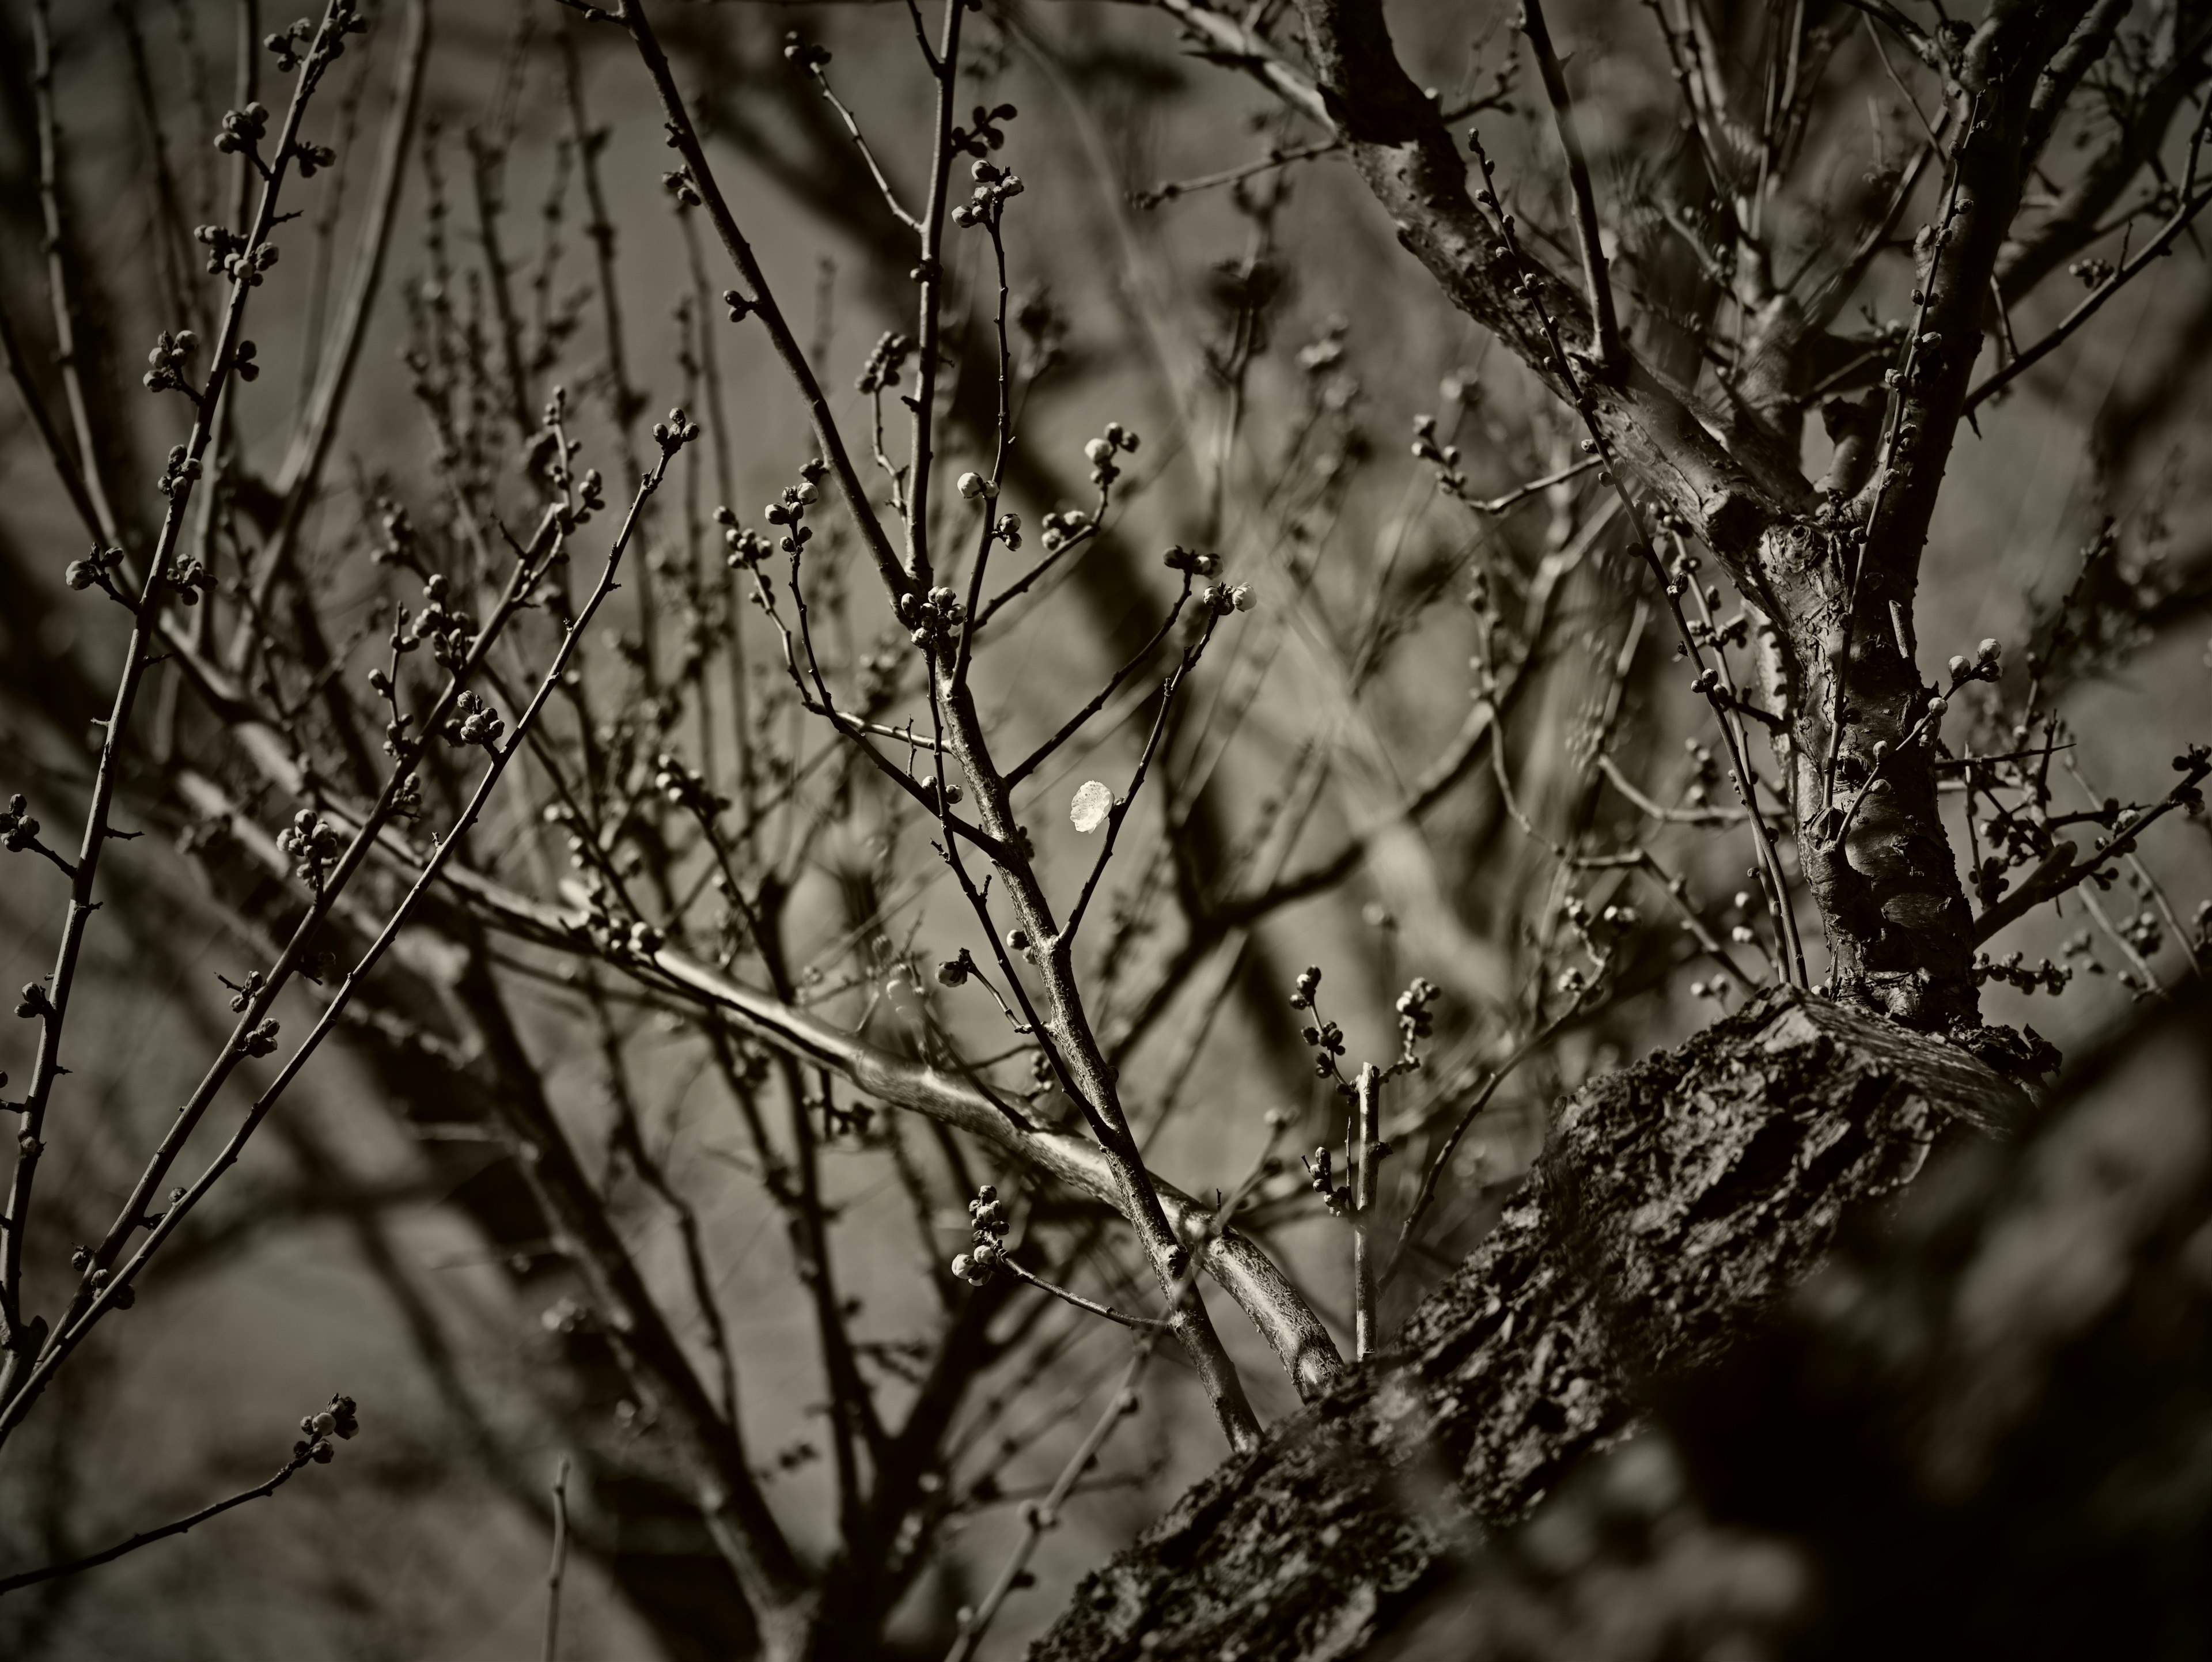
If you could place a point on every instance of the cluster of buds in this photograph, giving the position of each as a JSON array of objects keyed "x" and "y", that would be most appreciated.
[
  {"x": 683, "y": 788},
  {"x": 259, "y": 1041},
  {"x": 1444, "y": 458},
  {"x": 473, "y": 723},
  {"x": 934, "y": 617},
  {"x": 243, "y": 130},
  {"x": 810, "y": 56},
  {"x": 1326, "y": 1037},
  {"x": 291, "y": 45},
  {"x": 312, "y": 844},
  {"x": 2145, "y": 932},
  {"x": 2091, "y": 272},
  {"x": 673, "y": 434},
  {"x": 1060, "y": 527},
  {"x": 789, "y": 509},
  {"x": 988, "y": 204},
  {"x": 740, "y": 308},
  {"x": 1179, "y": 558},
  {"x": 1008, "y": 530},
  {"x": 1225, "y": 597},
  {"x": 18, "y": 830},
  {"x": 178, "y": 470},
  {"x": 987, "y": 1218},
  {"x": 1328, "y": 1041},
  {"x": 1319, "y": 356},
  {"x": 124, "y": 1295},
  {"x": 1416, "y": 1020},
  {"x": 221, "y": 242},
  {"x": 747, "y": 549},
  {"x": 397, "y": 544},
  {"x": 316, "y": 1431},
  {"x": 2013, "y": 970},
  {"x": 245, "y": 265},
  {"x": 188, "y": 578},
  {"x": 590, "y": 497},
  {"x": 985, "y": 134},
  {"x": 1704, "y": 772},
  {"x": 313, "y": 158},
  {"x": 450, "y": 631},
  {"x": 1101, "y": 451},
  {"x": 886, "y": 361},
  {"x": 1321, "y": 1176},
  {"x": 242, "y": 994},
  {"x": 96, "y": 570},
  {"x": 1597, "y": 930},
  {"x": 1988, "y": 663},
  {"x": 33, "y": 1002},
  {"x": 955, "y": 971},
  {"x": 682, "y": 187},
  {"x": 165, "y": 363}
]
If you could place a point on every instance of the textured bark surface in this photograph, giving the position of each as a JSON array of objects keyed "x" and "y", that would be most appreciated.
[{"x": 1675, "y": 1202}]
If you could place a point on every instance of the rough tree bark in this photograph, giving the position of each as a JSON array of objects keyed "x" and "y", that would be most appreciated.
[{"x": 1676, "y": 1201}]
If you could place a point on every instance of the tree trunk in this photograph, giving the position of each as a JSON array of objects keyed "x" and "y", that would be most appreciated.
[{"x": 1675, "y": 1201}]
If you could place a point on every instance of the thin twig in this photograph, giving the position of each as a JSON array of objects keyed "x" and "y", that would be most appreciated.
[
  {"x": 551, "y": 1650},
  {"x": 1587, "y": 233}
]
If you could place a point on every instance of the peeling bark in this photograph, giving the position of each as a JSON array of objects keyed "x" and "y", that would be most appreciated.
[{"x": 1675, "y": 1202}]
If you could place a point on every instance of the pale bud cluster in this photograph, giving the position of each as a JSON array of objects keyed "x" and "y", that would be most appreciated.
[
  {"x": 312, "y": 844},
  {"x": 683, "y": 787},
  {"x": 933, "y": 618},
  {"x": 473, "y": 723},
  {"x": 1225, "y": 597},
  {"x": 804, "y": 54},
  {"x": 96, "y": 569},
  {"x": 18, "y": 830},
  {"x": 1060, "y": 527},
  {"x": 886, "y": 362},
  {"x": 1102, "y": 453},
  {"x": 1988, "y": 663},
  {"x": 165, "y": 363},
  {"x": 789, "y": 509},
  {"x": 994, "y": 186},
  {"x": 451, "y": 631},
  {"x": 673, "y": 434},
  {"x": 316, "y": 1430},
  {"x": 177, "y": 472},
  {"x": 243, "y": 130},
  {"x": 988, "y": 1222},
  {"x": 747, "y": 549}
]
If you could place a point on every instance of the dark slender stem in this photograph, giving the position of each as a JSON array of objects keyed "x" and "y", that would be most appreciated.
[
  {"x": 551, "y": 1650},
  {"x": 147, "y": 1537}
]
